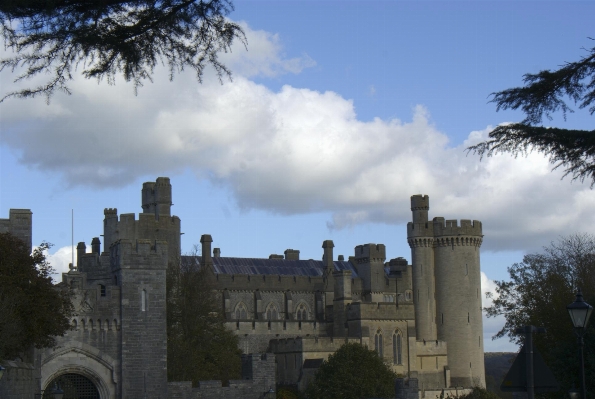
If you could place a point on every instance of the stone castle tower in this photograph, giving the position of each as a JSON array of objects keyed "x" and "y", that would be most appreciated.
[{"x": 447, "y": 289}]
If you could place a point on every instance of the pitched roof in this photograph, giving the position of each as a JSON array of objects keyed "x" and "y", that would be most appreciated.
[{"x": 281, "y": 267}]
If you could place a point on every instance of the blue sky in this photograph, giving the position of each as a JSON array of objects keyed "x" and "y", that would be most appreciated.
[{"x": 337, "y": 113}]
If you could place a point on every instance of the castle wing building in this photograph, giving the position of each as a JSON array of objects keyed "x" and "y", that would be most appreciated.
[{"x": 423, "y": 318}]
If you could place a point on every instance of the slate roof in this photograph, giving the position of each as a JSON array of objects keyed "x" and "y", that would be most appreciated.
[{"x": 276, "y": 267}]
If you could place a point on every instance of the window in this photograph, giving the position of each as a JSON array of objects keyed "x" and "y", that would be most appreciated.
[
  {"x": 102, "y": 289},
  {"x": 241, "y": 311},
  {"x": 302, "y": 312},
  {"x": 143, "y": 300},
  {"x": 272, "y": 313},
  {"x": 378, "y": 343},
  {"x": 397, "y": 348}
]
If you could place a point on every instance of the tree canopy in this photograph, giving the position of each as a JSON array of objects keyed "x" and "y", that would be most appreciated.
[
  {"x": 199, "y": 346},
  {"x": 539, "y": 289},
  {"x": 352, "y": 372},
  {"x": 109, "y": 37},
  {"x": 544, "y": 94},
  {"x": 32, "y": 310}
]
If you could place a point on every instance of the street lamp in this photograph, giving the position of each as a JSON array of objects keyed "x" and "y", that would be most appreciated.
[{"x": 580, "y": 311}]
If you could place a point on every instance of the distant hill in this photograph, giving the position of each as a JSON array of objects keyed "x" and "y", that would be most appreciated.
[{"x": 497, "y": 365}]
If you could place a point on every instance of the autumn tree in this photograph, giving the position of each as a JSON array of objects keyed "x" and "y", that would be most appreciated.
[
  {"x": 544, "y": 94},
  {"x": 32, "y": 310},
  {"x": 352, "y": 372},
  {"x": 537, "y": 293},
  {"x": 111, "y": 37},
  {"x": 199, "y": 346}
]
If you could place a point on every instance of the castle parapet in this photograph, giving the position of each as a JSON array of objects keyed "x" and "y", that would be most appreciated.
[
  {"x": 451, "y": 227},
  {"x": 370, "y": 253},
  {"x": 380, "y": 311}
]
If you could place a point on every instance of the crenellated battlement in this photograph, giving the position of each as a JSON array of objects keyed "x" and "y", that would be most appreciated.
[
  {"x": 380, "y": 311},
  {"x": 420, "y": 202},
  {"x": 420, "y": 229},
  {"x": 451, "y": 227},
  {"x": 370, "y": 253},
  {"x": 309, "y": 344},
  {"x": 110, "y": 212},
  {"x": 421, "y": 242}
]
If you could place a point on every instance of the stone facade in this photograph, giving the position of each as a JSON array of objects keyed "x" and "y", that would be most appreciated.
[{"x": 424, "y": 318}]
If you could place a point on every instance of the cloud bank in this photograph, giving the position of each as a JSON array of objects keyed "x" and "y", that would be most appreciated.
[{"x": 290, "y": 151}]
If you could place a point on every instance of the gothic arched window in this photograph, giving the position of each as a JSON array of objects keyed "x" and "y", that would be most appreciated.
[
  {"x": 272, "y": 312},
  {"x": 302, "y": 312},
  {"x": 241, "y": 311},
  {"x": 378, "y": 343},
  {"x": 397, "y": 348}
]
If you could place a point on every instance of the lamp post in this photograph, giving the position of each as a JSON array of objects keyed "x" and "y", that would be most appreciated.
[
  {"x": 580, "y": 311},
  {"x": 56, "y": 392}
]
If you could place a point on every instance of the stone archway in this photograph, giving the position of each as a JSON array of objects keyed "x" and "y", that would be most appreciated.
[{"x": 75, "y": 386}]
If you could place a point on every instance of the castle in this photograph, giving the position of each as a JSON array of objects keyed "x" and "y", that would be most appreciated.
[{"x": 290, "y": 314}]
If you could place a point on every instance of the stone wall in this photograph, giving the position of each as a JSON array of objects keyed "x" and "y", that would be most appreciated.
[
  {"x": 18, "y": 381},
  {"x": 258, "y": 378}
]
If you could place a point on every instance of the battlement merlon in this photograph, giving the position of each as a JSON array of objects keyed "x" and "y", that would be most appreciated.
[
  {"x": 370, "y": 253},
  {"x": 139, "y": 254},
  {"x": 467, "y": 227}
]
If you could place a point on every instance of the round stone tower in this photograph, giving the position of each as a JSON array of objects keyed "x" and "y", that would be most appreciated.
[
  {"x": 458, "y": 298},
  {"x": 420, "y": 237}
]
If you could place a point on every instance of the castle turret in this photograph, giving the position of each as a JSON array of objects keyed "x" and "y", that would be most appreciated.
[
  {"x": 110, "y": 227},
  {"x": 458, "y": 298},
  {"x": 163, "y": 196},
  {"x": 342, "y": 288},
  {"x": 369, "y": 262},
  {"x": 156, "y": 197},
  {"x": 140, "y": 267},
  {"x": 421, "y": 240}
]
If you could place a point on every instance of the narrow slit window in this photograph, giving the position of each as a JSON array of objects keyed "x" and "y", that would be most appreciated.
[
  {"x": 466, "y": 269},
  {"x": 143, "y": 301}
]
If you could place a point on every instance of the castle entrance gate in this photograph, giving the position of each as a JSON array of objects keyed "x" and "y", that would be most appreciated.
[{"x": 75, "y": 386}]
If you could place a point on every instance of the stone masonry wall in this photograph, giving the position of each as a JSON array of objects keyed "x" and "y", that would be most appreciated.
[{"x": 18, "y": 381}]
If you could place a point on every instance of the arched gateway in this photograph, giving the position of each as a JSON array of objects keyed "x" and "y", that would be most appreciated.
[{"x": 75, "y": 386}]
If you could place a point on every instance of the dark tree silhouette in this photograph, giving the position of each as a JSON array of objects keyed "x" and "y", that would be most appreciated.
[
  {"x": 537, "y": 293},
  {"x": 352, "y": 372},
  {"x": 544, "y": 94},
  {"x": 32, "y": 310},
  {"x": 108, "y": 37},
  {"x": 199, "y": 346}
]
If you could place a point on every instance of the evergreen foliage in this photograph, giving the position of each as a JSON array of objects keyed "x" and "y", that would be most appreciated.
[
  {"x": 109, "y": 37},
  {"x": 544, "y": 94},
  {"x": 352, "y": 372},
  {"x": 199, "y": 346},
  {"x": 539, "y": 289},
  {"x": 32, "y": 310}
]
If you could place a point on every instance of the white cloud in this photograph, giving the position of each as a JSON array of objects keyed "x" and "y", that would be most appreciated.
[
  {"x": 291, "y": 151},
  {"x": 59, "y": 260}
]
